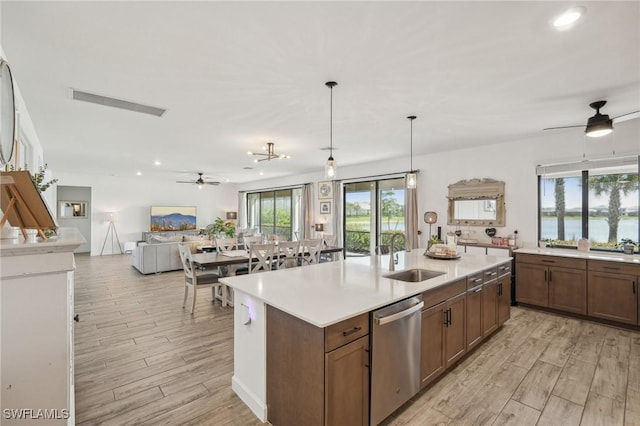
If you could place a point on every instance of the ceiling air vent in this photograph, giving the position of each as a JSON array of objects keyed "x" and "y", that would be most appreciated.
[{"x": 116, "y": 103}]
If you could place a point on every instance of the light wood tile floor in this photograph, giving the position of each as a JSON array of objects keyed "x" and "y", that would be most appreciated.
[{"x": 141, "y": 359}]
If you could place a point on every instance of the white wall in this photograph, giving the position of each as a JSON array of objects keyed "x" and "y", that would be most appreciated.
[
  {"x": 512, "y": 162},
  {"x": 132, "y": 198}
]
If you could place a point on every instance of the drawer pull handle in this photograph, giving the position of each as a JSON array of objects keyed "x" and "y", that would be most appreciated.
[
  {"x": 477, "y": 280},
  {"x": 478, "y": 290},
  {"x": 349, "y": 332},
  {"x": 548, "y": 261},
  {"x": 610, "y": 268},
  {"x": 77, "y": 317},
  {"x": 491, "y": 273}
]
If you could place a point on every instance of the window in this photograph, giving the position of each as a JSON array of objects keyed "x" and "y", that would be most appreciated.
[
  {"x": 275, "y": 212},
  {"x": 373, "y": 212},
  {"x": 599, "y": 202}
]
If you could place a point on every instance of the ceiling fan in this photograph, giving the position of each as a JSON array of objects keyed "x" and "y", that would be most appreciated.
[
  {"x": 200, "y": 182},
  {"x": 600, "y": 124}
]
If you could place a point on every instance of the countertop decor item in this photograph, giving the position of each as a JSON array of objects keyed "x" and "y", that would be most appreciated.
[
  {"x": 430, "y": 218},
  {"x": 490, "y": 232}
]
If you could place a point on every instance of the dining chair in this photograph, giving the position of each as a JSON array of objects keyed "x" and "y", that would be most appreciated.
[
  {"x": 328, "y": 241},
  {"x": 225, "y": 244},
  {"x": 263, "y": 253},
  {"x": 289, "y": 252},
  {"x": 194, "y": 280},
  {"x": 248, "y": 241},
  {"x": 311, "y": 251}
]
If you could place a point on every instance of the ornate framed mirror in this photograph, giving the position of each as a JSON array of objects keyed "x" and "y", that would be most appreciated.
[
  {"x": 7, "y": 113},
  {"x": 478, "y": 202}
]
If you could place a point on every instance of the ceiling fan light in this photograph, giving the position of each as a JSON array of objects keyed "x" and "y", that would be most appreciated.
[
  {"x": 599, "y": 129},
  {"x": 568, "y": 18}
]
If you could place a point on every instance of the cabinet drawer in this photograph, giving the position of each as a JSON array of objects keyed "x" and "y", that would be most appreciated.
[
  {"x": 564, "y": 262},
  {"x": 614, "y": 267},
  {"x": 504, "y": 269},
  {"x": 346, "y": 331},
  {"x": 490, "y": 274},
  {"x": 475, "y": 280},
  {"x": 440, "y": 294}
]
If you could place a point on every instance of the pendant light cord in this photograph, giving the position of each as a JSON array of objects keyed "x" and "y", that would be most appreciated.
[
  {"x": 331, "y": 84},
  {"x": 411, "y": 118}
]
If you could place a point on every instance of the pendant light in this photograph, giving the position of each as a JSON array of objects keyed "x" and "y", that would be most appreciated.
[
  {"x": 330, "y": 169},
  {"x": 412, "y": 178}
]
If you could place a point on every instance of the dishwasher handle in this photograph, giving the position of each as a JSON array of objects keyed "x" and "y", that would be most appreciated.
[{"x": 398, "y": 315}]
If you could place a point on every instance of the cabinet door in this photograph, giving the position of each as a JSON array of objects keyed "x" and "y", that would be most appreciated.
[
  {"x": 613, "y": 297},
  {"x": 432, "y": 361},
  {"x": 454, "y": 333},
  {"x": 504, "y": 299},
  {"x": 347, "y": 384},
  {"x": 568, "y": 289},
  {"x": 531, "y": 284},
  {"x": 474, "y": 317},
  {"x": 489, "y": 307}
]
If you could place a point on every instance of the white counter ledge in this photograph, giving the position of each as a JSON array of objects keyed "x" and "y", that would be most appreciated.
[
  {"x": 589, "y": 255},
  {"x": 328, "y": 293}
]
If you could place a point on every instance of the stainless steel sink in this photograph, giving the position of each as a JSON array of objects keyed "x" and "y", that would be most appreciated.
[{"x": 414, "y": 275}]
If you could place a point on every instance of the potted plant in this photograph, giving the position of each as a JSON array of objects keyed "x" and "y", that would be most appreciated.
[
  {"x": 628, "y": 245},
  {"x": 220, "y": 227}
]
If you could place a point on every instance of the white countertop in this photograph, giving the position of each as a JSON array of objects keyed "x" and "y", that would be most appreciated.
[
  {"x": 67, "y": 240},
  {"x": 589, "y": 255},
  {"x": 328, "y": 293}
]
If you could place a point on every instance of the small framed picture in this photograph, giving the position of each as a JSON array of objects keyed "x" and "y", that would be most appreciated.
[
  {"x": 325, "y": 190},
  {"x": 325, "y": 207},
  {"x": 489, "y": 205}
]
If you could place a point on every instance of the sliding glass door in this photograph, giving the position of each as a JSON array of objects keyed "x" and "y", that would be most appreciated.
[{"x": 373, "y": 212}]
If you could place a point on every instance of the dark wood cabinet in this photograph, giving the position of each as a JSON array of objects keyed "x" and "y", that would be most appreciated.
[
  {"x": 568, "y": 289},
  {"x": 489, "y": 307},
  {"x": 552, "y": 281},
  {"x": 317, "y": 376},
  {"x": 531, "y": 284},
  {"x": 432, "y": 360},
  {"x": 613, "y": 291},
  {"x": 443, "y": 339},
  {"x": 454, "y": 332},
  {"x": 474, "y": 316},
  {"x": 347, "y": 384},
  {"x": 504, "y": 298}
]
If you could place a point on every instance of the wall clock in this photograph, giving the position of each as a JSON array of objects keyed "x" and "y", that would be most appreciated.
[{"x": 7, "y": 113}]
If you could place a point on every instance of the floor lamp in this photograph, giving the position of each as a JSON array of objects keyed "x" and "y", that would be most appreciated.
[{"x": 111, "y": 230}]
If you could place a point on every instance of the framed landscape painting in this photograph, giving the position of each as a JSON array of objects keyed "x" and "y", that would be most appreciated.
[{"x": 173, "y": 218}]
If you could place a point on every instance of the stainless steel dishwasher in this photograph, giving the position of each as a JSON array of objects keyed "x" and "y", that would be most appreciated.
[{"x": 395, "y": 356}]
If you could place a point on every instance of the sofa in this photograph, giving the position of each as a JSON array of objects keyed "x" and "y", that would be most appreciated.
[{"x": 160, "y": 253}]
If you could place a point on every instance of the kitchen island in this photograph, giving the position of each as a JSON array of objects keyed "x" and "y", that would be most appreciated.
[{"x": 325, "y": 295}]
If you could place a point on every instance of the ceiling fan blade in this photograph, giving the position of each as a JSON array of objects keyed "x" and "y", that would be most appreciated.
[
  {"x": 212, "y": 183},
  {"x": 627, "y": 116},
  {"x": 185, "y": 181},
  {"x": 563, "y": 127}
]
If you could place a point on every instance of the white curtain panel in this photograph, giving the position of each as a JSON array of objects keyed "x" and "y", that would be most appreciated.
[
  {"x": 337, "y": 226},
  {"x": 242, "y": 209},
  {"x": 307, "y": 201}
]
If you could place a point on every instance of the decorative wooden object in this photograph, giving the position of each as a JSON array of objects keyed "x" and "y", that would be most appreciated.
[{"x": 22, "y": 204}]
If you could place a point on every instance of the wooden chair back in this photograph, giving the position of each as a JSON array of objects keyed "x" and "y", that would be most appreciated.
[
  {"x": 289, "y": 252},
  {"x": 225, "y": 244},
  {"x": 311, "y": 251},
  {"x": 263, "y": 253},
  {"x": 249, "y": 241}
]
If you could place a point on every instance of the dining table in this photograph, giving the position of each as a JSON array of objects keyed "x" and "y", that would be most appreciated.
[{"x": 208, "y": 260}]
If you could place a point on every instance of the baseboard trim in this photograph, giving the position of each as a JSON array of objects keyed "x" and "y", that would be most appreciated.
[{"x": 258, "y": 407}]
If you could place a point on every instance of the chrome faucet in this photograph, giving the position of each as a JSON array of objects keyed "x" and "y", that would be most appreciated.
[{"x": 392, "y": 264}]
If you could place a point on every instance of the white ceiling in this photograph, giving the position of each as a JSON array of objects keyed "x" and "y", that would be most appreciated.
[{"x": 234, "y": 75}]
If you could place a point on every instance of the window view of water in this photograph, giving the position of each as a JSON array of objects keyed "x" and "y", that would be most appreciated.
[{"x": 598, "y": 229}]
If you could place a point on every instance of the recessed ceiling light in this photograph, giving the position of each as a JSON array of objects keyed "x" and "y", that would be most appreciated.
[
  {"x": 261, "y": 173},
  {"x": 138, "y": 173},
  {"x": 568, "y": 18},
  {"x": 157, "y": 163}
]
